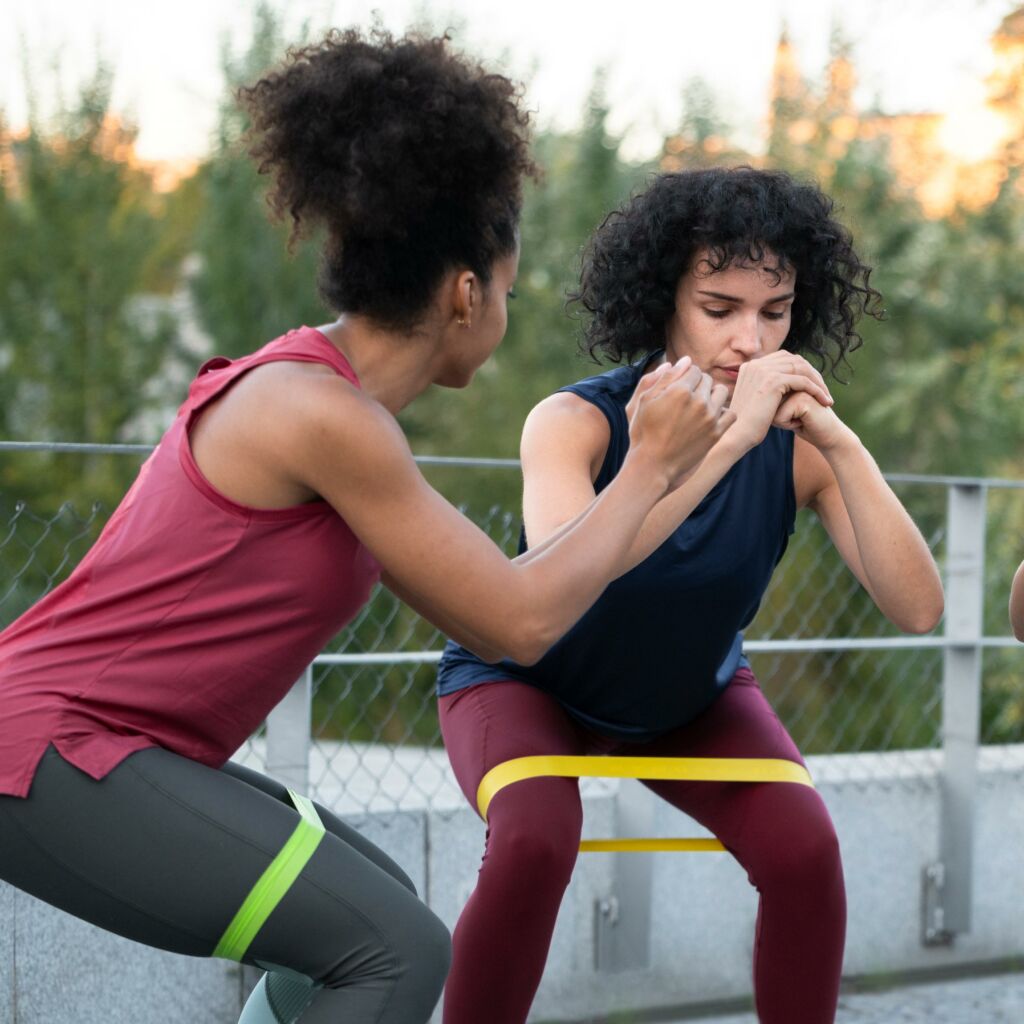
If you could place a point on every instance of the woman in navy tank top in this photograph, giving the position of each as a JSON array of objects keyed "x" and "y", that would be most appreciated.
[{"x": 748, "y": 273}]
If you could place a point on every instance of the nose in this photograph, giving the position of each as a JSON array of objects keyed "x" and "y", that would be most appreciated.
[{"x": 748, "y": 335}]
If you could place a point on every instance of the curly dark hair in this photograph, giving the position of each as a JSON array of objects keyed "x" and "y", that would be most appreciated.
[
  {"x": 634, "y": 261},
  {"x": 410, "y": 155}
]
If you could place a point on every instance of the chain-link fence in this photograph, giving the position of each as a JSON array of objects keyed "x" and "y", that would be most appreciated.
[{"x": 841, "y": 677}]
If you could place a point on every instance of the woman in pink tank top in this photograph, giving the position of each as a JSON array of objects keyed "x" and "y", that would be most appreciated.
[{"x": 281, "y": 492}]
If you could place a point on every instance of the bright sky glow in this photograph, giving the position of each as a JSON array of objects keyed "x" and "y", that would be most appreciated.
[{"x": 911, "y": 55}]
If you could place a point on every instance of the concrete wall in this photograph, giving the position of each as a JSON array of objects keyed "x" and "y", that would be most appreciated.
[{"x": 56, "y": 970}]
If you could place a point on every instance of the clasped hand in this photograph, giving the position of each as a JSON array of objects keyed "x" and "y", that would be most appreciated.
[
  {"x": 783, "y": 390},
  {"x": 682, "y": 411}
]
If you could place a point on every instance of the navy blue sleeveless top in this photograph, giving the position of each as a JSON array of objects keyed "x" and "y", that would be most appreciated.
[{"x": 664, "y": 639}]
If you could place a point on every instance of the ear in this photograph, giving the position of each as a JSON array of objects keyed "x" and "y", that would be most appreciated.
[{"x": 464, "y": 294}]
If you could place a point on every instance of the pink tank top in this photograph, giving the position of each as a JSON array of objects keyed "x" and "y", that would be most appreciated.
[{"x": 189, "y": 618}]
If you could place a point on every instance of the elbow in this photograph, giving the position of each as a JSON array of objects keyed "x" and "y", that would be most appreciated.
[
  {"x": 528, "y": 651},
  {"x": 532, "y": 639},
  {"x": 920, "y": 626},
  {"x": 924, "y": 618}
]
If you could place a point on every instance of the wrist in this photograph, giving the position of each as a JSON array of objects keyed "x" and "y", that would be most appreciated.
[
  {"x": 643, "y": 475},
  {"x": 737, "y": 441},
  {"x": 842, "y": 444}
]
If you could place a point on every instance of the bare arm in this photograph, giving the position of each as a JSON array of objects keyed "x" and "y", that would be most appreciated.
[
  {"x": 836, "y": 476},
  {"x": 349, "y": 450},
  {"x": 564, "y": 441},
  {"x": 1017, "y": 603}
]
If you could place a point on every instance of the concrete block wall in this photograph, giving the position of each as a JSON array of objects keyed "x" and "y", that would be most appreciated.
[{"x": 56, "y": 970}]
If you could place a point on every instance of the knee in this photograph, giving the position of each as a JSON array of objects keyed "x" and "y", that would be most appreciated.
[
  {"x": 423, "y": 955},
  {"x": 433, "y": 946},
  {"x": 535, "y": 849},
  {"x": 809, "y": 860},
  {"x": 412, "y": 951}
]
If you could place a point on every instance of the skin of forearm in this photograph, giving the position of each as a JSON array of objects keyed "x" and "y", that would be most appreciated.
[
  {"x": 550, "y": 589},
  {"x": 667, "y": 516},
  {"x": 903, "y": 578}
]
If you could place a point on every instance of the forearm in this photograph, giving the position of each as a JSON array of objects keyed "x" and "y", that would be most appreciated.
[
  {"x": 665, "y": 517},
  {"x": 565, "y": 573},
  {"x": 1017, "y": 603},
  {"x": 501, "y": 609},
  {"x": 900, "y": 572}
]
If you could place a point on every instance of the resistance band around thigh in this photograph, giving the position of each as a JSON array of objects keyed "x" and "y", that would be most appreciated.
[
  {"x": 692, "y": 769},
  {"x": 274, "y": 883}
]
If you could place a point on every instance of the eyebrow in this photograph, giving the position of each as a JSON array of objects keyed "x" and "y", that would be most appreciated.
[{"x": 734, "y": 298}]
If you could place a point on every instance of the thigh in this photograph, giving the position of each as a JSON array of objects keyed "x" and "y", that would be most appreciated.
[
  {"x": 164, "y": 850},
  {"x": 741, "y": 723},
  {"x": 486, "y": 724},
  {"x": 332, "y": 823}
]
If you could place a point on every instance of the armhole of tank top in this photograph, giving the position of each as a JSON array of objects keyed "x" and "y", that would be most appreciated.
[
  {"x": 188, "y": 460},
  {"x": 342, "y": 370},
  {"x": 615, "y": 414}
]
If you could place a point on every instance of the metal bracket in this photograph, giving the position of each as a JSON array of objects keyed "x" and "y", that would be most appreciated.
[
  {"x": 606, "y": 917},
  {"x": 933, "y": 912}
]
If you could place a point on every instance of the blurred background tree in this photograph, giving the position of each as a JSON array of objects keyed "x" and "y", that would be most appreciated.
[
  {"x": 247, "y": 287},
  {"x": 85, "y": 245}
]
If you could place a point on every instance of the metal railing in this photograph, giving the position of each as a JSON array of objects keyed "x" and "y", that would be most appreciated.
[{"x": 359, "y": 730}]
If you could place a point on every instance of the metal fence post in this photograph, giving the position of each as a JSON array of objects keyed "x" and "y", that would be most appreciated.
[
  {"x": 288, "y": 736},
  {"x": 947, "y": 883}
]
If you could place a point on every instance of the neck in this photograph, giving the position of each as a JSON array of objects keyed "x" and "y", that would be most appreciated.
[{"x": 392, "y": 367}]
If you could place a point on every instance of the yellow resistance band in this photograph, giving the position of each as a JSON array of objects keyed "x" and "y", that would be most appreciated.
[
  {"x": 693, "y": 769},
  {"x": 271, "y": 886}
]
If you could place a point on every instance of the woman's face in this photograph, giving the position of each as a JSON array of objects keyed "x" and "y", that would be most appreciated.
[
  {"x": 725, "y": 318},
  {"x": 471, "y": 347}
]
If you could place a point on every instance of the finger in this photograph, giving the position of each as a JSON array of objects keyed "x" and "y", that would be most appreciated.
[
  {"x": 703, "y": 390},
  {"x": 798, "y": 382},
  {"x": 692, "y": 377},
  {"x": 725, "y": 421},
  {"x": 802, "y": 366},
  {"x": 792, "y": 411},
  {"x": 647, "y": 383},
  {"x": 719, "y": 396},
  {"x": 791, "y": 363}
]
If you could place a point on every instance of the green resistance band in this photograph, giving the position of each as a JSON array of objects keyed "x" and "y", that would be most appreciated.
[
  {"x": 693, "y": 769},
  {"x": 271, "y": 886}
]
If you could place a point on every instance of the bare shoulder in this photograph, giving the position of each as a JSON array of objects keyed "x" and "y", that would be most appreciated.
[
  {"x": 258, "y": 440},
  {"x": 330, "y": 421},
  {"x": 567, "y": 424}
]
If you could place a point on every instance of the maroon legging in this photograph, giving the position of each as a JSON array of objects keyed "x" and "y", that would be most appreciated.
[{"x": 781, "y": 834}]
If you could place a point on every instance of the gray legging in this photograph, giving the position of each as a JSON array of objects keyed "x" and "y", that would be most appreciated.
[{"x": 164, "y": 851}]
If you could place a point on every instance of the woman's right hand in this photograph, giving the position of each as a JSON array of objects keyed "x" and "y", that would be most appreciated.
[{"x": 676, "y": 416}]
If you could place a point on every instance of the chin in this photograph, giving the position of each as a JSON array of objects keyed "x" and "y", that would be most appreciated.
[{"x": 455, "y": 381}]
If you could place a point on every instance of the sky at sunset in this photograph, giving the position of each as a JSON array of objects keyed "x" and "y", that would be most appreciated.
[{"x": 912, "y": 55}]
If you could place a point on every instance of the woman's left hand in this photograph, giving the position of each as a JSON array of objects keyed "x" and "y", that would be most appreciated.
[{"x": 815, "y": 423}]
